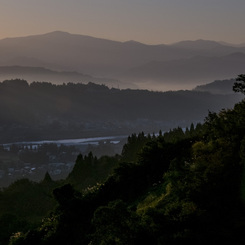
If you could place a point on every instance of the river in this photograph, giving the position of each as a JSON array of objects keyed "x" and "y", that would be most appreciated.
[{"x": 82, "y": 141}]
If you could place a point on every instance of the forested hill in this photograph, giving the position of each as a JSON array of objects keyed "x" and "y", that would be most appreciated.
[
  {"x": 217, "y": 87},
  {"x": 43, "y": 110},
  {"x": 176, "y": 188},
  {"x": 30, "y": 73}
]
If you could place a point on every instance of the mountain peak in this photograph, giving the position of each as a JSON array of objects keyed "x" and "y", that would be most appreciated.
[{"x": 57, "y": 33}]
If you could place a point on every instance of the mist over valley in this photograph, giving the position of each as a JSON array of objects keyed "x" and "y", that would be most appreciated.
[
  {"x": 129, "y": 64},
  {"x": 122, "y": 122},
  {"x": 60, "y": 86}
]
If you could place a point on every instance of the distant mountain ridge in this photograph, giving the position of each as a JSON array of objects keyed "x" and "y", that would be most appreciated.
[
  {"x": 98, "y": 57},
  {"x": 199, "y": 44},
  {"x": 198, "y": 68}
]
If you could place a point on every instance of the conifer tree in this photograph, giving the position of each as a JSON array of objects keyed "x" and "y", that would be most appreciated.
[{"x": 239, "y": 86}]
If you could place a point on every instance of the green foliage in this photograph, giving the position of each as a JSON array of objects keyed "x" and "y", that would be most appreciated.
[
  {"x": 90, "y": 170},
  {"x": 239, "y": 86},
  {"x": 47, "y": 179},
  {"x": 116, "y": 224},
  {"x": 134, "y": 146},
  {"x": 176, "y": 188},
  {"x": 175, "y": 135},
  {"x": 23, "y": 205},
  {"x": 9, "y": 224},
  {"x": 27, "y": 200}
]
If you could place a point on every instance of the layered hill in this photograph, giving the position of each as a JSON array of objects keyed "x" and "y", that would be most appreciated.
[
  {"x": 41, "y": 110},
  {"x": 217, "y": 87},
  {"x": 30, "y": 74},
  {"x": 189, "y": 71},
  {"x": 188, "y": 62}
]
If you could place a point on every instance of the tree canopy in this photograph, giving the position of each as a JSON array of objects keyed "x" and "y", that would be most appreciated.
[{"x": 239, "y": 85}]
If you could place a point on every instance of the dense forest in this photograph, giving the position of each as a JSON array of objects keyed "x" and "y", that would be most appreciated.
[
  {"x": 42, "y": 111},
  {"x": 179, "y": 187}
]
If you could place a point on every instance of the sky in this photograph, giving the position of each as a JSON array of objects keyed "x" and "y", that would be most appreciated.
[{"x": 146, "y": 21}]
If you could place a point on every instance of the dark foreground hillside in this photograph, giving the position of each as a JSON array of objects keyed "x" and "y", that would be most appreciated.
[
  {"x": 42, "y": 111},
  {"x": 177, "y": 188}
]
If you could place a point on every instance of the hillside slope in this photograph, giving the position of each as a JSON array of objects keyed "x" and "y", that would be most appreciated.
[{"x": 47, "y": 111}]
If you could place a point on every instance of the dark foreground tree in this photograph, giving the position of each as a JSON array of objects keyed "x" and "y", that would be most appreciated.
[{"x": 239, "y": 86}]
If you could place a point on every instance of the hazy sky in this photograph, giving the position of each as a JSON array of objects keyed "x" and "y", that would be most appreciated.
[{"x": 147, "y": 21}]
